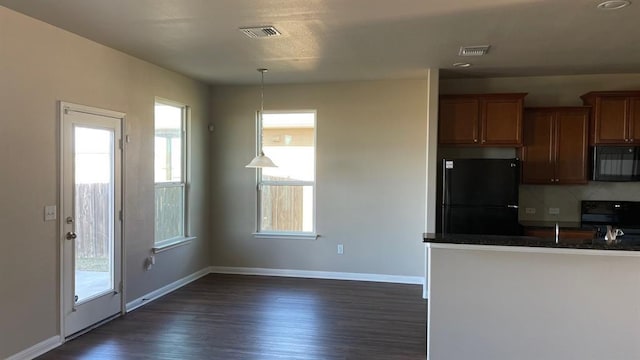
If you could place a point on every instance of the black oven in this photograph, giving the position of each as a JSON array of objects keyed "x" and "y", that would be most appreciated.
[
  {"x": 623, "y": 215},
  {"x": 616, "y": 163}
]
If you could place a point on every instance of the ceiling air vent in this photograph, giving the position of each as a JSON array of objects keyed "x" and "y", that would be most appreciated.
[
  {"x": 474, "y": 50},
  {"x": 260, "y": 31}
]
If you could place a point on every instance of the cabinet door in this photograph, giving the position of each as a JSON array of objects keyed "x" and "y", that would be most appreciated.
[
  {"x": 567, "y": 236},
  {"x": 537, "y": 150},
  {"x": 501, "y": 122},
  {"x": 571, "y": 136},
  {"x": 458, "y": 120},
  {"x": 634, "y": 120},
  {"x": 610, "y": 122}
]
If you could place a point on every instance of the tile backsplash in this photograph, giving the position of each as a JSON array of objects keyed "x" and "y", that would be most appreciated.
[{"x": 567, "y": 198}]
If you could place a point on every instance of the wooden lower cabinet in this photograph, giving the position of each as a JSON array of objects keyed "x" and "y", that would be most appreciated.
[
  {"x": 555, "y": 147},
  {"x": 567, "y": 236}
]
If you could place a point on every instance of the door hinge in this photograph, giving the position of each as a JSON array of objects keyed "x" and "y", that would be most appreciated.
[
  {"x": 120, "y": 144},
  {"x": 120, "y": 215}
]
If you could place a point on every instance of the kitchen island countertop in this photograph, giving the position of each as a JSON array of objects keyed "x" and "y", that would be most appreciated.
[{"x": 530, "y": 241}]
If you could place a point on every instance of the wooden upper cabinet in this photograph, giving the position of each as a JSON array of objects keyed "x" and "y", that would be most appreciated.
[
  {"x": 634, "y": 120},
  {"x": 501, "y": 121},
  {"x": 458, "y": 121},
  {"x": 481, "y": 120},
  {"x": 555, "y": 145},
  {"x": 572, "y": 150},
  {"x": 537, "y": 153},
  {"x": 615, "y": 117}
]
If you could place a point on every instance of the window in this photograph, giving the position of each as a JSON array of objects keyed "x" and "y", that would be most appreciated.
[
  {"x": 286, "y": 194},
  {"x": 170, "y": 170}
]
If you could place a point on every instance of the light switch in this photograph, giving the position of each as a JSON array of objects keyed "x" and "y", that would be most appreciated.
[{"x": 50, "y": 213}]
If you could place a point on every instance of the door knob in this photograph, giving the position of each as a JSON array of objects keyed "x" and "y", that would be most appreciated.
[{"x": 71, "y": 235}]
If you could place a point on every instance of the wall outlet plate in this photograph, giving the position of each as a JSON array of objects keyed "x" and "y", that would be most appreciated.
[
  {"x": 50, "y": 213},
  {"x": 530, "y": 210},
  {"x": 554, "y": 211},
  {"x": 340, "y": 249}
]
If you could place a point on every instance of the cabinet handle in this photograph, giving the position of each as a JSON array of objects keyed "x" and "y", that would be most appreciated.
[
  {"x": 626, "y": 140},
  {"x": 475, "y": 140}
]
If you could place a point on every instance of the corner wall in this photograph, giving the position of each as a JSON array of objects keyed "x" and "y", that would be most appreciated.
[
  {"x": 370, "y": 189},
  {"x": 39, "y": 66}
]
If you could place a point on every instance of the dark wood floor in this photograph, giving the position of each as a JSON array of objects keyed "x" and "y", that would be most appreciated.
[{"x": 253, "y": 317}]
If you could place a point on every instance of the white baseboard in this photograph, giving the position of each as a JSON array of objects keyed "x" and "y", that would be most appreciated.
[
  {"x": 147, "y": 298},
  {"x": 418, "y": 280},
  {"x": 37, "y": 349}
]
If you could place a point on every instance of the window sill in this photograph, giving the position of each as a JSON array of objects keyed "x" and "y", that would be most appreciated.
[
  {"x": 292, "y": 236},
  {"x": 171, "y": 243}
]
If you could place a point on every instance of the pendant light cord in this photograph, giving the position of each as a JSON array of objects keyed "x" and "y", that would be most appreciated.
[{"x": 262, "y": 71}]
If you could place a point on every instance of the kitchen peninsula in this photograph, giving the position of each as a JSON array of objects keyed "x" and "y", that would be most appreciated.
[{"x": 511, "y": 297}]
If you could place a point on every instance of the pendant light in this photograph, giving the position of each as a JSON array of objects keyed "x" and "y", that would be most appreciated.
[{"x": 261, "y": 160}]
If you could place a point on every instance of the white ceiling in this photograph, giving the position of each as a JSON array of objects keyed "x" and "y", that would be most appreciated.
[{"x": 339, "y": 40}]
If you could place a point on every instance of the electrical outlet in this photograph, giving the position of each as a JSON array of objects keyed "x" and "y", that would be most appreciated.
[
  {"x": 148, "y": 262},
  {"x": 554, "y": 211},
  {"x": 340, "y": 249},
  {"x": 530, "y": 210}
]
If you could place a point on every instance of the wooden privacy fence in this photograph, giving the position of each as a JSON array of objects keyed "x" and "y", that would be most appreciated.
[
  {"x": 282, "y": 208},
  {"x": 93, "y": 220}
]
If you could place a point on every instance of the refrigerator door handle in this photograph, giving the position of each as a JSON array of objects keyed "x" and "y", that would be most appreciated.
[{"x": 512, "y": 206}]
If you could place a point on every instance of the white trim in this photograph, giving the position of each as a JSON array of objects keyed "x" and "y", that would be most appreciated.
[
  {"x": 165, "y": 245},
  {"x": 64, "y": 105},
  {"x": 38, "y": 349},
  {"x": 119, "y": 186},
  {"x": 147, "y": 298},
  {"x": 260, "y": 182},
  {"x": 284, "y": 235},
  {"x": 185, "y": 112},
  {"x": 534, "y": 249},
  {"x": 399, "y": 279}
]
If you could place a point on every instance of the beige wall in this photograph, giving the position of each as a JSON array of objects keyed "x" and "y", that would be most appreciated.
[
  {"x": 371, "y": 141},
  {"x": 39, "y": 66},
  {"x": 556, "y": 91}
]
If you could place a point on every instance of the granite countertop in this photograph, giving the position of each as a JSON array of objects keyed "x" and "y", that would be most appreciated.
[{"x": 530, "y": 241}]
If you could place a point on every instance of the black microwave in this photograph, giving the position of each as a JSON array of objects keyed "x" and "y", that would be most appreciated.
[{"x": 616, "y": 163}]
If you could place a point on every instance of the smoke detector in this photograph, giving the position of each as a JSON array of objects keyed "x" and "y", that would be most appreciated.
[
  {"x": 613, "y": 4},
  {"x": 479, "y": 50},
  {"x": 260, "y": 31}
]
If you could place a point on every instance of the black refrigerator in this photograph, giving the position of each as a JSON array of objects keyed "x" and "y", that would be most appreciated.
[{"x": 480, "y": 196}]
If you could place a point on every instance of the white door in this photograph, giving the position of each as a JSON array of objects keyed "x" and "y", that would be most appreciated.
[{"x": 91, "y": 209}]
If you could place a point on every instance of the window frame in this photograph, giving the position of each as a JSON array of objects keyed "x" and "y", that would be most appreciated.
[
  {"x": 304, "y": 235},
  {"x": 166, "y": 244}
]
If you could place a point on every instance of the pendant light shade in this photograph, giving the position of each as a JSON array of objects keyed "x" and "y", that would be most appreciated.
[{"x": 261, "y": 160}]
